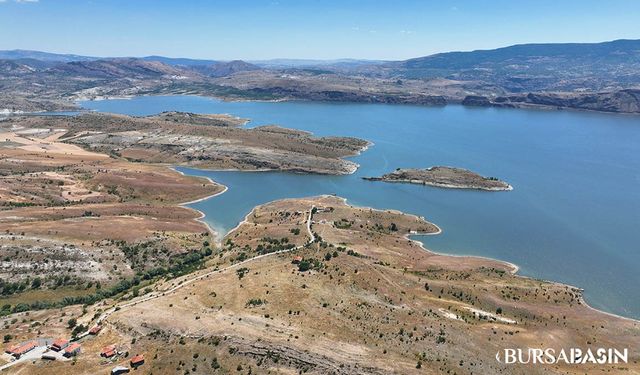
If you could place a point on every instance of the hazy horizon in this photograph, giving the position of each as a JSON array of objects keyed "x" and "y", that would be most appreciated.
[
  {"x": 346, "y": 58},
  {"x": 285, "y": 29}
]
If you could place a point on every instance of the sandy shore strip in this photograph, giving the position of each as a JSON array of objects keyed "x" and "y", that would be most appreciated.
[{"x": 211, "y": 230}]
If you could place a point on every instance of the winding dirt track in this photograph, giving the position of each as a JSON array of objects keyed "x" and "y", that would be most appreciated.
[{"x": 157, "y": 294}]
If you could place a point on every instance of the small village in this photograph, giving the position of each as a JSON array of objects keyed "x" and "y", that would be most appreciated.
[{"x": 66, "y": 349}]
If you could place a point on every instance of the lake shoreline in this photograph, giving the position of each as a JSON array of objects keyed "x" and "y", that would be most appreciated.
[
  {"x": 520, "y": 226},
  {"x": 514, "y": 268},
  {"x": 201, "y": 218}
]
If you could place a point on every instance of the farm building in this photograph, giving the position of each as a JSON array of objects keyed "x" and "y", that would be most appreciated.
[
  {"x": 95, "y": 330},
  {"x": 108, "y": 351},
  {"x": 137, "y": 360},
  {"x": 21, "y": 349},
  {"x": 72, "y": 350},
  {"x": 59, "y": 344}
]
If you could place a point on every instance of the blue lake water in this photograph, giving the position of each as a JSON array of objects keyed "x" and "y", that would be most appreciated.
[{"x": 573, "y": 216}]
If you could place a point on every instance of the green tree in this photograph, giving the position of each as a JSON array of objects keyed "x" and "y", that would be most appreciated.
[{"x": 36, "y": 283}]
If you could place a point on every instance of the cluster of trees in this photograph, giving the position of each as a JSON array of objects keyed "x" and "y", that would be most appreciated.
[
  {"x": 8, "y": 288},
  {"x": 310, "y": 264},
  {"x": 273, "y": 245},
  {"x": 393, "y": 227},
  {"x": 181, "y": 265},
  {"x": 342, "y": 224}
]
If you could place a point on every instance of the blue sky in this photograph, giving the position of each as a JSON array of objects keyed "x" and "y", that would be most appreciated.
[{"x": 326, "y": 29}]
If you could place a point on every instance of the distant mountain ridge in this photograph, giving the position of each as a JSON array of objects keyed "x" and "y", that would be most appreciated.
[
  {"x": 18, "y": 54},
  {"x": 594, "y": 76},
  {"x": 614, "y": 51},
  {"x": 117, "y": 68},
  {"x": 223, "y": 69},
  {"x": 531, "y": 67},
  {"x": 179, "y": 61},
  {"x": 304, "y": 63}
]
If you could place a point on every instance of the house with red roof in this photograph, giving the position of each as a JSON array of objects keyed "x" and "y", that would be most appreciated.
[
  {"x": 95, "y": 330},
  {"x": 59, "y": 344},
  {"x": 108, "y": 351},
  {"x": 137, "y": 360},
  {"x": 72, "y": 350},
  {"x": 21, "y": 349}
]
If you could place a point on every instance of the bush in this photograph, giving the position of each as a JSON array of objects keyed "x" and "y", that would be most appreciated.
[
  {"x": 78, "y": 330},
  {"x": 256, "y": 302},
  {"x": 304, "y": 265}
]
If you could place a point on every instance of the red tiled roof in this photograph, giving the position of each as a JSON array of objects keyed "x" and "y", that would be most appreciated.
[
  {"x": 137, "y": 359},
  {"x": 19, "y": 350},
  {"x": 60, "y": 343},
  {"x": 95, "y": 330},
  {"x": 108, "y": 351},
  {"x": 72, "y": 348}
]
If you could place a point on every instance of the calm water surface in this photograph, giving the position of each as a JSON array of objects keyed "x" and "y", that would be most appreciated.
[{"x": 573, "y": 216}]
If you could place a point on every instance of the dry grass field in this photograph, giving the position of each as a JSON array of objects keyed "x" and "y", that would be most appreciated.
[
  {"x": 300, "y": 286},
  {"x": 71, "y": 219},
  {"x": 364, "y": 299}
]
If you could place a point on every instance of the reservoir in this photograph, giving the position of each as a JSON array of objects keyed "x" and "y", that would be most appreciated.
[{"x": 573, "y": 216}]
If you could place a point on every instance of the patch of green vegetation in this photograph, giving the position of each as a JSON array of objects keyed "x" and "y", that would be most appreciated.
[
  {"x": 343, "y": 224},
  {"x": 181, "y": 265},
  {"x": 256, "y": 302},
  {"x": 241, "y": 272},
  {"x": 273, "y": 244},
  {"x": 310, "y": 264}
]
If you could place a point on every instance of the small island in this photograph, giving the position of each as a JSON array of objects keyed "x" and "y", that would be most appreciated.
[{"x": 445, "y": 177}]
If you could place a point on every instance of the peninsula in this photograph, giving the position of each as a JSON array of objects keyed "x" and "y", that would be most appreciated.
[
  {"x": 202, "y": 141},
  {"x": 444, "y": 177},
  {"x": 314, "y": 285},
  {"x": 88, "y": 203}
]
